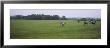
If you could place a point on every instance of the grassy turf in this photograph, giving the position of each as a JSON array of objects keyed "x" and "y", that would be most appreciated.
[{"x": 51, "y": 29}]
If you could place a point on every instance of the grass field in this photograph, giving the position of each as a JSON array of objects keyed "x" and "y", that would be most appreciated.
[{"x": 51, "y": 29}]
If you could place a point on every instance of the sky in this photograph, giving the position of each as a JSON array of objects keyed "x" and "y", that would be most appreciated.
[{"x": 69, "y": 13}]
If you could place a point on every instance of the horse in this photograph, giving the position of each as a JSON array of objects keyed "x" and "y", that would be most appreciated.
[{"x": 62, "y": 23}]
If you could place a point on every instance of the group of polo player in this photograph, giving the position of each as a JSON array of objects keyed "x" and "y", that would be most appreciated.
[{"x": 90, "y": 21}]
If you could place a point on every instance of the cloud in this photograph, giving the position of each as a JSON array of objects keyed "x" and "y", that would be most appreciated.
[{"x": 69, "y": 13}]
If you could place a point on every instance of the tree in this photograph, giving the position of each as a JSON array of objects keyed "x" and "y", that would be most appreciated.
[
  {"x": 63, "y": 18},
  {"x": 56, "y": 17},
  {"x": 83, "y": 19},
  {"x": 19, "y": 17},
  {"x": 38, "y": 17}
]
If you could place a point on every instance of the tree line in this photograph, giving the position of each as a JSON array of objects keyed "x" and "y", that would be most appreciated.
[{"x": 39, "y": 17}]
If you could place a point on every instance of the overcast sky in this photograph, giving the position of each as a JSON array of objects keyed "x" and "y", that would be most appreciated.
[{"x": 69, "y": 13}]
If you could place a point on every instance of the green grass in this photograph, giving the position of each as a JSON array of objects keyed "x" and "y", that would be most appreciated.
[{"x": 51, "y": 29}]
